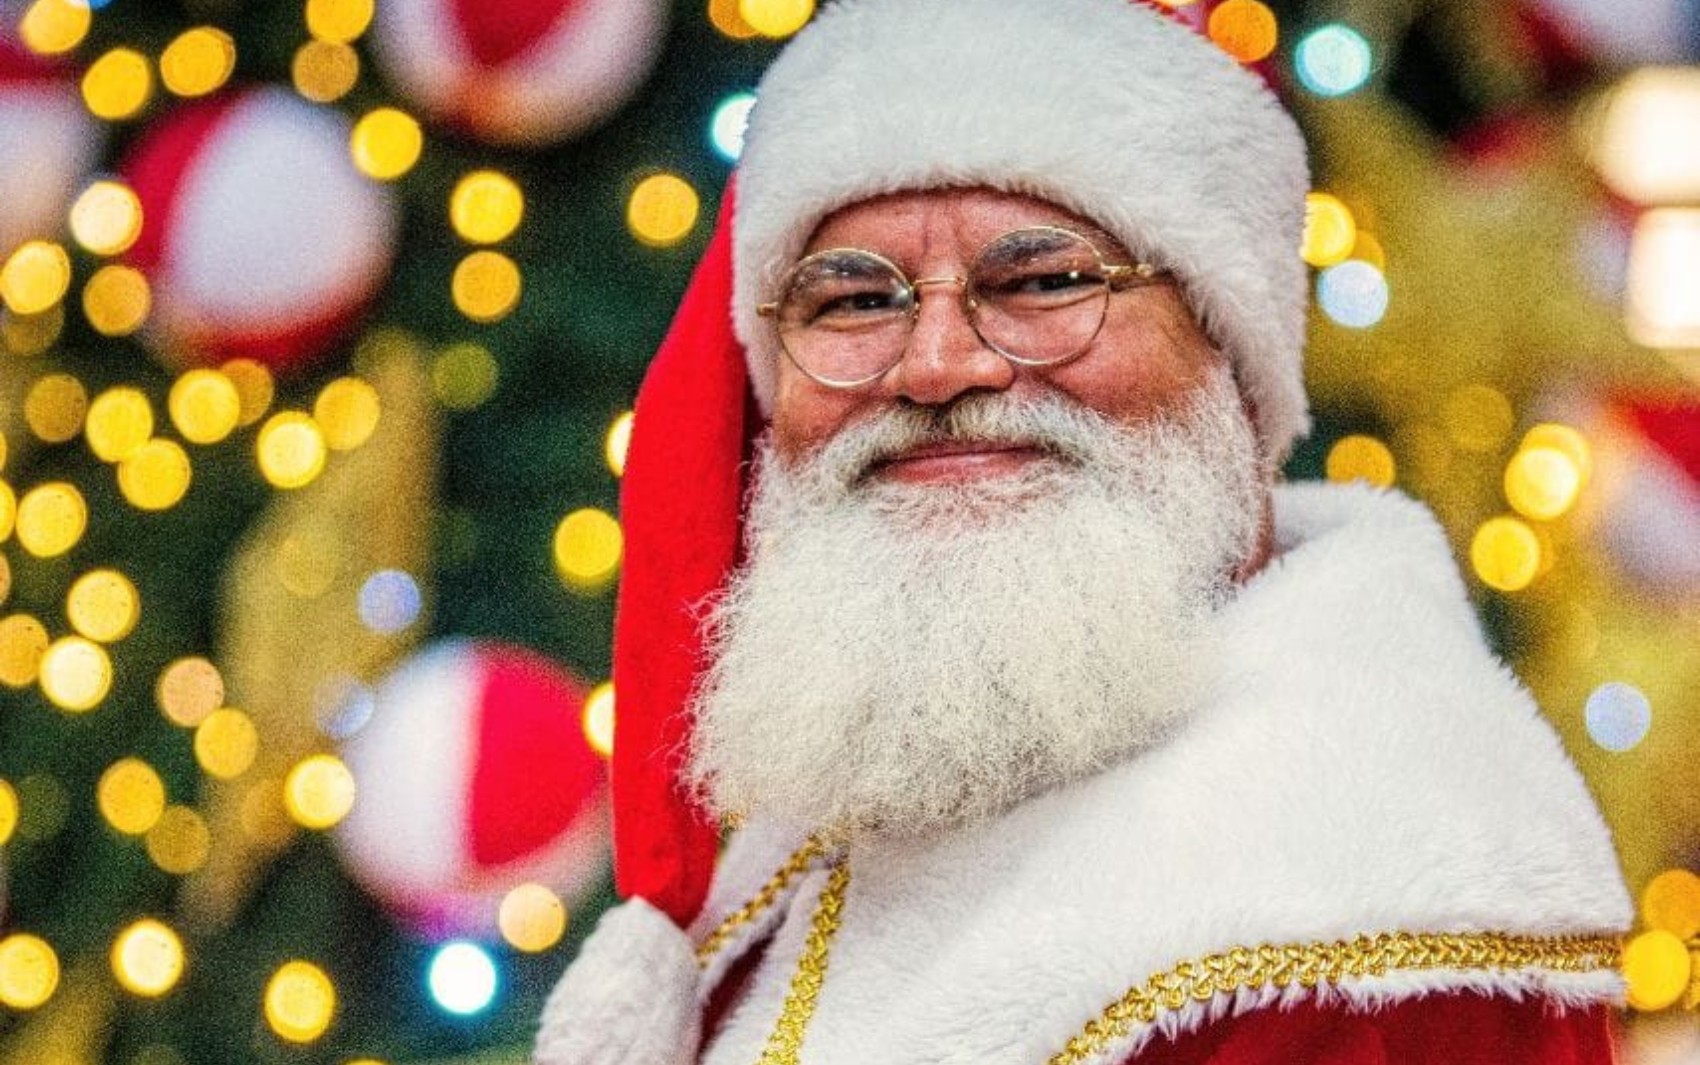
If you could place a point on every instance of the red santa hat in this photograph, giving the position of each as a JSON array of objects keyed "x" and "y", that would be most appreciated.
[{"x": 1101, "y": 106}]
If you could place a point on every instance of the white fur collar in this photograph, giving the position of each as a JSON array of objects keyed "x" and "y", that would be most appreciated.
[{"x": 1366, "y": 766}]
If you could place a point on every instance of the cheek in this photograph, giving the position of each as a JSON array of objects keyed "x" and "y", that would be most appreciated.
[{"x": 806, "y": 415}]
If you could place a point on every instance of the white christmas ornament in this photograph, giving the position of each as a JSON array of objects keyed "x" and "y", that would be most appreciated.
[
  {"x": 259, "y": 236},
  {"x": 474, "y": 777},
  {"x": 521, "y": 72},
  {"x": 48, "y": 143}
]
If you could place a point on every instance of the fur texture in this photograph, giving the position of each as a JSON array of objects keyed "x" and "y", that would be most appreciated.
[
  {"x": 1101, "y": 106},
  {"x": 1365, "y": 764}
]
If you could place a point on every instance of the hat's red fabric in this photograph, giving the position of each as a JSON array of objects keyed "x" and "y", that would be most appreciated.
[{"x": 682, "y": 492}]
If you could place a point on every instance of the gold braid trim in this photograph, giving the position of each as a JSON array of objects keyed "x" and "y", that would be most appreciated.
[
  {"x": 785, "y": 1043},
  {"x": 794, "y": 867},
  {"x": 1310, "y": 964}
]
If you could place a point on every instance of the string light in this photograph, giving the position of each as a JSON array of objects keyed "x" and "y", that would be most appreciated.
[
  {"x": 35, "y": 277},
  {"x": 318, "y": 792},
  {"x": 8, "y": 520},
  {"x": 147, "y": 958},
  {"x": 1645, "y": 148},
  {"x": 1671, "y": 901},
  {"x": 188, "y": 690},
  {"x": 180, "y": 842},
  {"x": 731, "y": 119},
  {"x": 300, "y": 1001},
  {"x": 462, "y": 978},
  {"x": 776, "y": 18},
  {"x": 23, "y": 641},
  {"x": 103, "y": 605},
  {"x": 324, "y": 72},
  {"x": 117, "y": 300},
  {"x": 1331, "y": 232},
  {"x": 618, "y": 442},
  {"x": 198, "y": 61},
  {"x": 1657, "y": 968},
  {"x": 347, "y": 411},
  {"x": 1353, "y": 294},
  {"x": 1245, "y": 29},
  {"x": 1542, "y": 483},
  {"x": 1333, "y": 60},
  {"x": 662, "y": 210},
  {"x": 532, "y": 918},
  {"x": 389, "y": 601},
  {"x": 119, "y": 422},
  {"x": 254, "y": 388},
  {"x": 106, "y": 218},
  {"x": 386, "y": 143},
  {"x": 157, "y": 476},
  {"x": 226, "y": 743},
  {"x": 1662, "y": 307},
  {"x": 1506, "y": 554},
  {"x": 338, "y": 21},
  {"x": 587, "y": 548},
  {"x": 76, "y": 674},
  {"x": 486, "y": 207},
  {"x": 131, "y": 796},
  {"x": 51, "y": 519},
  {"x": 463, "y": 376},
  {"x": 725, "y": 16},
  {"x": 118, "y": 84},
  {"x": 8, "y": 811},
  {"x": 291, "y": 450},
  {"x": 598, "y": 720},
  {"x": 1618, "y": 716},
  {"x": 53, "y": 27},
  {"x": 486, "y": 286},
  {"x": 204, "y": 406},
  {"x": 1565, "y": 439},
  {"x": 1361, "y": 458},
  {"x": 29, "y": 971},
  {"x": 54, "y": 408}
]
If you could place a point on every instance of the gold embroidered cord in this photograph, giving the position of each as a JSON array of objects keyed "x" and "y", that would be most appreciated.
[
  {"x": 794, "y": 867},
  {"x": 1315, "y": 963},
  {"x": 786, "y": 1041}
]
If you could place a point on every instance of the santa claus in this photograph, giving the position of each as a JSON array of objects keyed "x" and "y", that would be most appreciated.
[{"x": 1045, "y": 725}]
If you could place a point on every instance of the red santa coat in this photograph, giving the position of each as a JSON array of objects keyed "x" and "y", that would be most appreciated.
[{"x": 1368, "y": 847}]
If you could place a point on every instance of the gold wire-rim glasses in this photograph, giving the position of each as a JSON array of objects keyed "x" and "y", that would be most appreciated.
[{"x": 1115, "y": 277}]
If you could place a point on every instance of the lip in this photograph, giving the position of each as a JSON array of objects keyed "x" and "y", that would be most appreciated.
[{"x": 957, "y": 461}]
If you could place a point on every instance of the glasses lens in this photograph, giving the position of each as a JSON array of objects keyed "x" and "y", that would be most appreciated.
[
  {"x": 845, "y": 316},
  {"x": 1041, "y": 294}
]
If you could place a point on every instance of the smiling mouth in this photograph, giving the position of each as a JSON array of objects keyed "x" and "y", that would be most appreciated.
[{"x": 957, "y": 461}]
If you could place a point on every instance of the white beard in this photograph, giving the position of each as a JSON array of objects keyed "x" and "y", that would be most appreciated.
[{"x": 900, "y": 658}]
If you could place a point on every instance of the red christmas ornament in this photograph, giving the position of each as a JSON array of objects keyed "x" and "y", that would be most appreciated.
[
  {"x": 474, "y": 777},
  {"x": 521, "y": 72},
  {"x": 1624, "y": 33},
  {"x": 1648, "y": 472},
  {"x": 259, "y": 237},
  {"x": 48, "y": 143}
]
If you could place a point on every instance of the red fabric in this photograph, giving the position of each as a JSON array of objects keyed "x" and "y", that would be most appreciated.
[
  {"x": 533, "y": 774},
  {"x": 17, "y": 65},
  {"x": 1459, "y": 1029},
  {"x": 680, "y": 504},
  {"x": 496, "y": 31},
  {"x": 156, "y": 166},
  {"x": 1673, "y": 428}
]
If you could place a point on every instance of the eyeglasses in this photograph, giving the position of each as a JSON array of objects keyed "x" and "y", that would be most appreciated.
[{"x": 1037, "y": 296}]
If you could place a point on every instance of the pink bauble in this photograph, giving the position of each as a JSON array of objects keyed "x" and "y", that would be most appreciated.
[
  {"x": 519, "y": 72},
  {"x": 259, "y": 237},
  {"x": 1648, "y": 472},
  {"x": 48, "y": 143},
  {"x": 474, "y": 777},
  {"x": 1621, "y": 33}
]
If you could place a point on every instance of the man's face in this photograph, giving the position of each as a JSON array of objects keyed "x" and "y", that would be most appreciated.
[{"x": 1148, "y": 361}]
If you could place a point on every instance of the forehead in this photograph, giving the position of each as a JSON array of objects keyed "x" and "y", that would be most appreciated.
[{"x": 908, "y": 225}]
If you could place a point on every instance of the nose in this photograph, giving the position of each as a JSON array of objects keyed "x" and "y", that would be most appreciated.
[{"x": 944, "y": 357}]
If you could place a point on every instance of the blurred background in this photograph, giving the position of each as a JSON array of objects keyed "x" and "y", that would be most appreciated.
[{"x": 321, "y": 328}]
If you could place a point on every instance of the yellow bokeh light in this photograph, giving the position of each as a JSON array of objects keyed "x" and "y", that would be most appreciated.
[
  {"x": 1671, "y": 901},
  {"x": 486, "y": 206},
  {"x": 1331, "y": 233},
  {"x": 725, "y": 16},
  {"x": 226, "y": 743},
  {"x": 204, "y": 406},
  {"x": 1478, "y": 418},
  {"x": 663, "y": 210},
  {"x": 29, "y": 971},
  {"x": 486, "y": 286},
  {"x": 52, "y": 27},
  {"x": 23, "y": 641},
  {"x": 532, "y": 918},
  {"x": 254, "y": 387},
  {"x": 147, "y": 958},
  {"x": 103, "y": 605},
  {"x": 1643, "y": 136},
  {"x": 188, "y": 690},
  {"x": 319, "y": 791},
  {"x": 157, "y": 476},
  {"x": 198, "y": 61},
  {"x": 300, "y": 1002},
  {"x": 347, "y": 411},
  {"x": 180, "y": 842},
  {"x": 587, "y": 547},
  {"x": 107, "y": 218},
  {"x": 291, "y": 449},
  {"x": 776, "y": 18},
  {"x": 386, "y": 143},
  {"x": 263, "y": 818},
  {"x": 8, "y": 519},
  {"x": 338, "y": 21},
  {"x": 1245, "y": 29},
  {"x": 55, "y": 406},
  {"x": 1361, "y": 458},
  {"x": 598, "y": 721},
  {"x": 76, "y": 674},
  {"x": 1566, "y": 439},
  {"x": 118, "y": 423},
  {"x": 5, "y": 565},
  {"x": 463, "y": 376},
  {"x": 307, "y": 564},
  {"x": 131, "y": 796},
  {"x": 118, "y": 84},
  {"x": 1657, "y": 968},
  {"x": 323, "y": 72},
  {"x": 35, "y": 277},
  {"x": 8, "y": 811},
  {"x": 31, "y": 334},
  {"x": 619, "y": 441},
  {"x": 1661, "y": 306},
  {"x": 1506, "y": 554},
  {"x": 117, "y": 300},
  {"x": 1542, "y": 483},
  {"x": 51, "y": 519}
]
